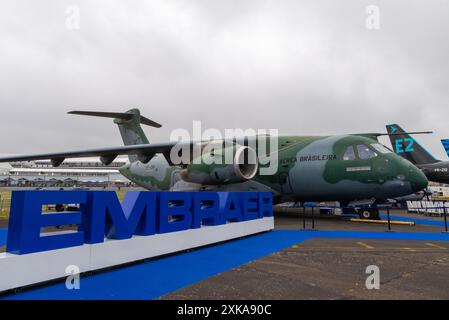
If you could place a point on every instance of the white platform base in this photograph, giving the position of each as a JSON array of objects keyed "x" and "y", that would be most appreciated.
[{"x": 22, "y": 270}]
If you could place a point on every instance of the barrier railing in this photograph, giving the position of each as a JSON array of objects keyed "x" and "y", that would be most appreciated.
[{"x": 356, "y": 208}]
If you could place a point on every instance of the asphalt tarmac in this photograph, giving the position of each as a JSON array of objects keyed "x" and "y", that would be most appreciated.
[{"x": 336, "y": 268}]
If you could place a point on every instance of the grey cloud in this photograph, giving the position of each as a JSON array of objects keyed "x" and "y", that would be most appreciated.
[{"x": 304, "y": 67}]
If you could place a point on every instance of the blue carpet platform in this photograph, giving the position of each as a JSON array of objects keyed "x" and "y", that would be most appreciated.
[
  {"x": 428, "y": 222},
  {"x": 153, "y": 279},
  {"x": 157, "y": 277},
  {"x": 3, "y": 233}
]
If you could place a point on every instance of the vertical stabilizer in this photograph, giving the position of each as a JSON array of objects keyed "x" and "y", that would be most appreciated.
[
  {"x": 129, "y": 124},
  {"x": 445, "y": 143},
  {"x": 407, "y": 147}
]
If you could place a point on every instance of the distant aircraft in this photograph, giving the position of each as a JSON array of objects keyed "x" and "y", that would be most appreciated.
[
  {"x": 407, "y": 147},
  {"x": 445, "y": 143},
  {"x": 344, "y": 168}
]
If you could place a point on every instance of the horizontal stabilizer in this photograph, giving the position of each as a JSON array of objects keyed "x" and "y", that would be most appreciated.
[
  {"x": 393, "y": 134},
  {"x": 118, "y": 115},
  {"x": 412, "y": 132}
]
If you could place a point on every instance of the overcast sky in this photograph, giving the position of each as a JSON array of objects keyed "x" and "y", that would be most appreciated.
[{"x": 303, "y": 67}]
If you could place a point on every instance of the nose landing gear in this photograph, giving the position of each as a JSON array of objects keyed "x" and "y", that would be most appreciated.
[
  {"x": 364, "y": 209},
  {"x": 369, "y": 213}
]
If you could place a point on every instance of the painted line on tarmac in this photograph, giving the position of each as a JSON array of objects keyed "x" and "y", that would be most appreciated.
[
  {"x": 366, "y": 246},
  {"x": 435, "y": 246}
]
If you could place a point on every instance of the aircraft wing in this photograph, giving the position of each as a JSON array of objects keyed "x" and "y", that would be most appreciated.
[{"x": 145, "y": 153}]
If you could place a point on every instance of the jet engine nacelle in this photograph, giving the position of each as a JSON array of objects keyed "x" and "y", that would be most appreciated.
[{"x": 243, "y": 168}]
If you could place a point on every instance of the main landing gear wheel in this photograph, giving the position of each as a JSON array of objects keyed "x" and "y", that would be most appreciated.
[{"x": 369, "y": 213}]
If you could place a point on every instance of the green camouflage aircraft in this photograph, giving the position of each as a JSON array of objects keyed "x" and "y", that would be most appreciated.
[{"x": 345, "y": 168}]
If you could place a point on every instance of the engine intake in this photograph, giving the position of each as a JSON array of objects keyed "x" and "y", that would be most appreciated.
[{"x": 243, "y": 168}]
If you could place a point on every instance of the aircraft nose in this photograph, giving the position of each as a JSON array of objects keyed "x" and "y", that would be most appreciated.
[{"x": 417, "y": 178}]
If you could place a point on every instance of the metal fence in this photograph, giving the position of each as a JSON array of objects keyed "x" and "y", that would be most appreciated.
[{"x": 444, "y": 210}]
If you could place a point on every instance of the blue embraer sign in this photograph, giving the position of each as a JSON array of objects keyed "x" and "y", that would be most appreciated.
[{"x": 142, "y": 213}]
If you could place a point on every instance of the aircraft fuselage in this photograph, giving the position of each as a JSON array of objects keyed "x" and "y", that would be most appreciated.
[
  {"x": 330, "y": 168},
  {"x": 436, "y": 172}
]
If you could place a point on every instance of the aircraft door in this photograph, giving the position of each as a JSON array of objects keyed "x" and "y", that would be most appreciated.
[{"x": 284, "y": 181}]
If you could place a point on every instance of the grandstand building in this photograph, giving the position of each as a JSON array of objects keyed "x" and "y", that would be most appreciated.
[{"x": 71, "y": 173}]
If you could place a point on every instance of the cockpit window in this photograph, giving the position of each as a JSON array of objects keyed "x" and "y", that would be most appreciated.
[
  {"x": 365, "y": 152},
  {"x": 349, "y": 154},
  {"x": 381, "y": 148}
]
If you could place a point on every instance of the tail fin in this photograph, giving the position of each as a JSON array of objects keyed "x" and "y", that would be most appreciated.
[
  {"x": 129, "y": 124},
  {"x": 445, "y": 143},
  {"x": 407, "y": 147}
]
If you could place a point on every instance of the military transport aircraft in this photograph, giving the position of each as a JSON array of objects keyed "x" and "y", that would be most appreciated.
[
  {"x": 408, "y": 148},
  {"x": 344, "y": 168}
]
